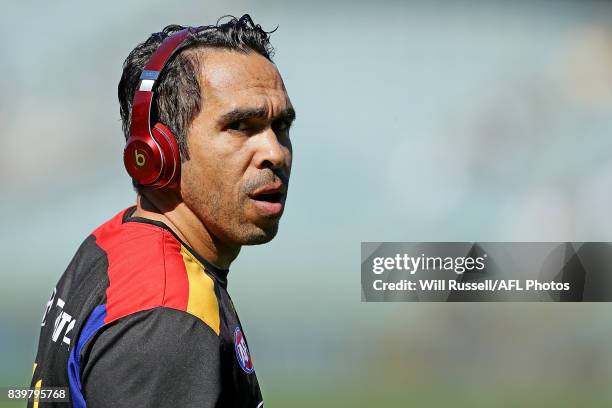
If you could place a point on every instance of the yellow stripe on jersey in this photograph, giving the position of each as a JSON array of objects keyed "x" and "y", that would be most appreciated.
[
  {"x": 37, "y": 386},
  {"x": 202, "y": 301}
]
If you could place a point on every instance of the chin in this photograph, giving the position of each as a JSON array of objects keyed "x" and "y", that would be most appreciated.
[{"x": 257, "y": 235}]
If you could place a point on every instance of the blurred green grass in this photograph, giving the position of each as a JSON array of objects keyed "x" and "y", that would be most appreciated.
[
  {"x": 360, "y": 394},
  {"x": 364, "y": 395}
]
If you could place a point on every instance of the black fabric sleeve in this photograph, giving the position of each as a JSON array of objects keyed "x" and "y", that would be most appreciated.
[{"x": 157, "y": 358}]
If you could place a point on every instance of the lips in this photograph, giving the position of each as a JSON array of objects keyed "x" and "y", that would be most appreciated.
[{"x": 270, "y": 198}]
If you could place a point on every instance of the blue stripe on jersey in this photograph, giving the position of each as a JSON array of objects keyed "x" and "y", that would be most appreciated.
[{"x": 94, "y": 322}]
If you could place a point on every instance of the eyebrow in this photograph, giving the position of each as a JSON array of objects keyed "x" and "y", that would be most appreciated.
[{"x": 287, "y": 114}]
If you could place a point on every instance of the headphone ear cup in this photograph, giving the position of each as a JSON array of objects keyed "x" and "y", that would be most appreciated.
[
  {"x": 143, "y": 160},
  {"x": 171, "y": 158}
]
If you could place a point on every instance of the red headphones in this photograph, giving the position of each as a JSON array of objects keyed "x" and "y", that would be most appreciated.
[{"x": 151, "y": 155}]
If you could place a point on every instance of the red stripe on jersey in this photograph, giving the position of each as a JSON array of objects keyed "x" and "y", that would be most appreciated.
[
  {"x": 145, "y": 268},
  {"x": 176, "y": 294}
]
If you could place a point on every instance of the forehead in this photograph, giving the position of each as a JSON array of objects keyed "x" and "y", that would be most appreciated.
[{"x": 231, "y": 79}]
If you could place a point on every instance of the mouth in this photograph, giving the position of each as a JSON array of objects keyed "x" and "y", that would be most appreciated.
[{"x": 269, "y": 199}]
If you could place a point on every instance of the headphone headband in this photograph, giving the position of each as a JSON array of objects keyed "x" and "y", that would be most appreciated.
[
  {"x": 143, "y": 97},
  {"x": 150, "y": 160}
]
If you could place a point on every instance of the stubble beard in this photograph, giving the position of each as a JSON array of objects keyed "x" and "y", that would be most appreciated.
[{"x": 227, "y": 220}]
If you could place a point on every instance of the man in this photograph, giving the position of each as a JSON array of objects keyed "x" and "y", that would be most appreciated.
[{"x": 141, "y": 317}]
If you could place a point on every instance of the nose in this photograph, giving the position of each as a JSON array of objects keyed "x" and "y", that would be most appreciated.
[{"x": 271, "y": 153}]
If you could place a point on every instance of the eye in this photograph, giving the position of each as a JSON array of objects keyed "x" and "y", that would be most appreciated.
[
  {"x": 239, "y": 126},
  {"x": 281, "y": 125}
]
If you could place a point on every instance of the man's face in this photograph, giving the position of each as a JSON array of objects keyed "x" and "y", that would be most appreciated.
[{"x": 237, "y": 174}]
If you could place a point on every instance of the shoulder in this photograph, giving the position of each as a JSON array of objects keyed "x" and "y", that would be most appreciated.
[
  {"x": 148, "y": 268},
  {"x": 168, "y": 353}
]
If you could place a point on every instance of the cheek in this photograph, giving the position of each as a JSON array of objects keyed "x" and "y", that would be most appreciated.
[
  {"x": 289, "y": 158},
  {"x": 212, "y": 179}
]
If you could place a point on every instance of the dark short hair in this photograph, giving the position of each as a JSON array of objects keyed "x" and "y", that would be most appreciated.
[{"x": 178, "y": 98}]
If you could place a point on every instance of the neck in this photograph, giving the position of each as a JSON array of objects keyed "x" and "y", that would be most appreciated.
[{"x": 172, "y": 211}]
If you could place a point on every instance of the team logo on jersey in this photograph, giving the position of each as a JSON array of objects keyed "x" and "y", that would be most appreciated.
[{"x": 242, "y": 352}]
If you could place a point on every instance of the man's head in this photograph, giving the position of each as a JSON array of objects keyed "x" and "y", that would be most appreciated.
[{"x": 226, "y": 103}]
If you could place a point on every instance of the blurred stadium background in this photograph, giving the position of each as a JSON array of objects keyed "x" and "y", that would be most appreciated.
[{"x": 417, "y": 121}]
